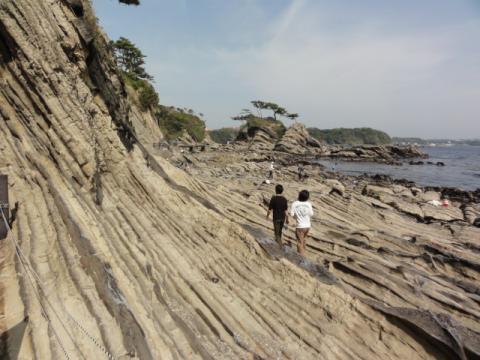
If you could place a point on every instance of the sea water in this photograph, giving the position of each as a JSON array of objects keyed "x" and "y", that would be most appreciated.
[{"x": 461, "y": 170}]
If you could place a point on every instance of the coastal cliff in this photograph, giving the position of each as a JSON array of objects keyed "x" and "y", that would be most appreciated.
[{"x": 116, "y": 253}]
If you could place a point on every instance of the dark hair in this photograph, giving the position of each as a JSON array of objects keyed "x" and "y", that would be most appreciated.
[
  {"x": 278, "y": 189},
  {"x": 303, "y": 195}
]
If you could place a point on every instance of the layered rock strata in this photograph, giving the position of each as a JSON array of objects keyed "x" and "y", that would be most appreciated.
[
  {"x": 377, "y": 153},
  {"x": 385, "y": 245},
  {"x": 298, "y": 141},
  {"x": 115, "y": 253}
]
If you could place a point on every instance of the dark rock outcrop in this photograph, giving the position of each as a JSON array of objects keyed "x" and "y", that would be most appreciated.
[
  {"x": 379, "y": 153},
  {"x": 258, "y": 138}
]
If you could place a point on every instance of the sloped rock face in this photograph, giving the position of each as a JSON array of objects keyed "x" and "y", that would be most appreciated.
[
  {"x": 258, "y": 138},
  {"x": 123, "y": 254},
  {"x": 185, "y": 138},
  {"x": 411, "y": 261},
  {"x": 297, "y": 140},
  {"x": 143, "y": 122}
]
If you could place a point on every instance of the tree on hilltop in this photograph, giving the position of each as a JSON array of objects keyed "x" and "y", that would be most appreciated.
[
  {"x": 292, "y": 117},
  {"x": 263, "y": 105},
  {"x": 130, "y": 2},
  {"x": 259, "y": 105},
  {"x": 276, "y": 109},
  {"x": 244, "y": 115}
]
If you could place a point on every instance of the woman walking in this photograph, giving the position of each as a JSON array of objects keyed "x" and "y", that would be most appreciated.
[{"x": 302, "y": 211}]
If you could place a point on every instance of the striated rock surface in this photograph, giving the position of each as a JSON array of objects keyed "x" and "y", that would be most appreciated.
[
  {"x": 383, "y": 244},
  {"x": 122, "y": 255},
  {"x": 379, "y": 153},
  {"x": 297, "y": 140},
  {"x": 258, "y": 138}
]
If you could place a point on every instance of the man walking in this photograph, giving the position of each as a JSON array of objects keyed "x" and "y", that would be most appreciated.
[{"x": 279, "y": 206}]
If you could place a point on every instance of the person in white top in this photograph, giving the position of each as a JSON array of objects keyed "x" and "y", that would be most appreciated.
[
  {"x": 302, "y": 211},
  {"x": 270, "y": 170}
]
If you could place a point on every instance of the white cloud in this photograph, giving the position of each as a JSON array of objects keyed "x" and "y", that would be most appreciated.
[
  {"x": 366, "y": 77},
  {"x": 363, "y": 71}
]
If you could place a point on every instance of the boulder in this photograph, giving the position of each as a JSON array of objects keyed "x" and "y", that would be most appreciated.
[
  {"x": 297, "y": 140},
  {"x": 259, "y": 138},
  {"x": 429, "y": 196},
  {"x": 441, "y": 213},
  {"x": 389, "y": 154},
  {"x": 335, "y": 187}
]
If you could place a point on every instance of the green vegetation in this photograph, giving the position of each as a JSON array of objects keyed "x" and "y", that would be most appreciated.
[
  {"x": 130, "y": 2},
  {"x": 271, "y": 123},
  {"x": 223, "y": 135},
  {"x": 173, "y": 122},
  {"x": 147, "y": 96},
  {"x": 250, "y": 120},
  {"x": 358, "y": 136},
  {"x": 259, "y": 105},
  {"x": 130, "y": 61},
  {"x": 263, "y": 105}
]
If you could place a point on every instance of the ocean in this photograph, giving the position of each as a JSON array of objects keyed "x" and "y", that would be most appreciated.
[{"x": 461, "y": 170}]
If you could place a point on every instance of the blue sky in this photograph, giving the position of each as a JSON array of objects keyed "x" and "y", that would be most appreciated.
[{"x": 408, "y": 67}]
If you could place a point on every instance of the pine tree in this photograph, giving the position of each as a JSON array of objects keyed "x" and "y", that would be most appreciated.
[{"x": 130, "y": 59}]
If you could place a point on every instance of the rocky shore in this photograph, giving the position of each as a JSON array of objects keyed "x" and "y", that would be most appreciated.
[
  {"x": 383, "y": 242},
  {"x": 297, "y": 141},
  {"x": 119, "y": 249}
]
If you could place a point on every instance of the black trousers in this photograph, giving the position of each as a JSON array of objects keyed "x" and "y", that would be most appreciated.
[{"x": 277, "y": 229}]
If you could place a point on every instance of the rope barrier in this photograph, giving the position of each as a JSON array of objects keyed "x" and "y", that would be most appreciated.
[
  {"x": 27, "y": 266},
  {"x": 37, "y": 295}
]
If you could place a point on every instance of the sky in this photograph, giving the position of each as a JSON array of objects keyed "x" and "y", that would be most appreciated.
[{"x": 407, "y": 67}]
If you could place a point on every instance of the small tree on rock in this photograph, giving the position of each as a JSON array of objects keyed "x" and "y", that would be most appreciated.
[
  {"x": 130, "y": 59},
  {"x": 259, "y": 105},
  {"x": 292, "y": 117},
  {"x": 244, "y": 115},
  {"x": 276, "y": 109},
  {"x": 130, "y": 2}
]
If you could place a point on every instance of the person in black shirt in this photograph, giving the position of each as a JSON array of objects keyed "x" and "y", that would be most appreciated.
[{"x": 279, "y": 206}]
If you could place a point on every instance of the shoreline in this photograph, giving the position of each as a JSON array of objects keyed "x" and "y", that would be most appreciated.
[
  {"x": 379, "y": 240},
  {"x": 253, "y": 168}
]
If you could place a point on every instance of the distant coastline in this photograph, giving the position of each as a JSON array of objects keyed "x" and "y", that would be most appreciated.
[
  {"x": 348, "y": 136},
  {"x": 434, "y": 142}
]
